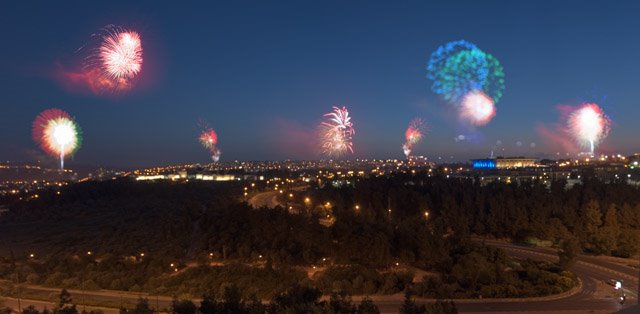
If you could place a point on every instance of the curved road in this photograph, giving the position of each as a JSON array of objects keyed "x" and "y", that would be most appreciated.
[{"x": 264, "y": 199}]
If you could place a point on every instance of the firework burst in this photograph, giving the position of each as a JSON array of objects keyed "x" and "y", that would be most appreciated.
[
  {"x": 413, "y": 135},
  {"x": 57, "y": 134},
  {"x": 114, "y": 61},
  {"x": 477, "y": 108},
  {"x": 336, "y": 133},
  {"x": 589, "y": 125},
  {"x": 209, "y": 140},
  {"x": 460, "y": 67}
]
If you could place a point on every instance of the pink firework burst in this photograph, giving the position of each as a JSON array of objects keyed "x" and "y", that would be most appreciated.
[
  {"x": 477, "y": 108},
  {"x": 336, "y": 132},
  {"x": 208, "y": 138},
  {"x": 114, "y": 61},
  {"x": 589, "y": 125},
  {"x": 415, "y": 131}
]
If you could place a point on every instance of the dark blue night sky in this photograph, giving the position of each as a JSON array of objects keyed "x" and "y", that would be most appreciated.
[{"x": 262, "y": 74}]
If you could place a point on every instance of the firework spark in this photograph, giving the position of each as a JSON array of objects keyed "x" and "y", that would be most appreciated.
[
  {"x": 336, "y": 132},
  {"x": 413, "y": 135},
  {"x": 56, "y": 133},
  {"x": 589, "y": 125},
  {"x": 114, "y": 60},
  {"x": 477, "y": 108}
]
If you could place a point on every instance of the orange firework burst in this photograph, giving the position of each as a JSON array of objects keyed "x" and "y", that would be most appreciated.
[{"x": 57, "y": 133}]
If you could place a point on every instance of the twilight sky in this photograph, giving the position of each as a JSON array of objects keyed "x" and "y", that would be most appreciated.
[{"x": 263, "y": 73}]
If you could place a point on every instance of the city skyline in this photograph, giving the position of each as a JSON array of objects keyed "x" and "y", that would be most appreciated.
[{"x": 263, "y": 76}]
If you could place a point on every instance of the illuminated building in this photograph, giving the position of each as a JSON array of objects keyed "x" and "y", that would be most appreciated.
[{"x": 504, "y": 163}]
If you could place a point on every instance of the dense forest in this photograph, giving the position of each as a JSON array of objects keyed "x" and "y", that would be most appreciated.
[
  {"x": 603, "y": 216},
  {"x": 188, "y": 238}
]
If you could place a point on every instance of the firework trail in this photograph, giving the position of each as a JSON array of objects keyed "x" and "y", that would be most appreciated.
[
  {"x": 57, "y": 134},
  {"x": 209, "y": 139},
  {"x": 413, "y": 135},
  {"x": 336, "y": 132},
  {"x": 477, "y": 108},
  {"x": 589, "y": 125},
  {"x": 114, "y": 61}
]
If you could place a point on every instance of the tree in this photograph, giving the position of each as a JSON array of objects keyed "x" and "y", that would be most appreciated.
[
  {"x": 232, "y": 300},
  {"x": 569, "y": 251},
  {"x": 30, "y": 310},
  {"x": 299, "y": 299},
  {"x": 183, "y": 307},
  {"x": 367, "y": 306},
  {"x": 64, "y": 298},
  {"x": 592, "y": 218},
  {"x": 340, "y": 303},
  {"x": 208, "y": 305},
  {"x": 442, "y": 307},
  {"x": 409, "y": 306},
  {"x": 142, "y": 307},
  {"x": 65, "y": 305},
  {"x": 254, "y": 306},
  {"x": 607, "y": 236}
]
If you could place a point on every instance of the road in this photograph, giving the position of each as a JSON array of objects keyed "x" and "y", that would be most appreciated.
[
  {"x": 264, "y": 199},
  {"x": 593, "y": 296},
  {"x": 269, "y": 199}
]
